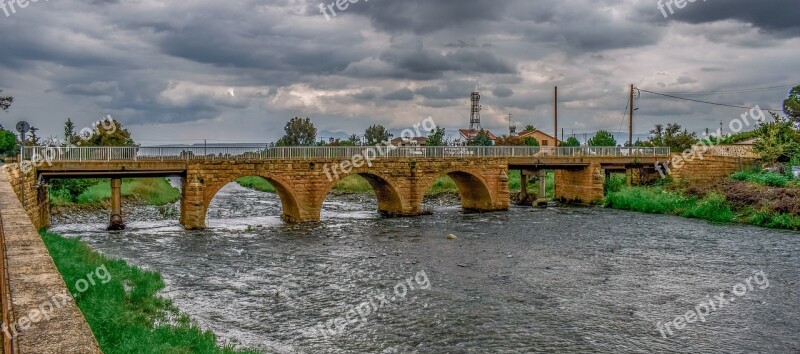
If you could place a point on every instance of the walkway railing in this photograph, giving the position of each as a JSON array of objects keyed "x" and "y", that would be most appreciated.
[{"x": 316, "y": 153}]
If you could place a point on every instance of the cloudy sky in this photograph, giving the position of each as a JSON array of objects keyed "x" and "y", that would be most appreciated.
[{"x": 164, "y": 68}]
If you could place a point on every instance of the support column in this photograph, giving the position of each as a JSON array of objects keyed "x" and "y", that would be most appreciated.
[
  {"x": 584, "y": 186},
  {"x": 523, "y": 186},
  {"x": 116, "y": 222},
  {"x": 542, "y": 184}
]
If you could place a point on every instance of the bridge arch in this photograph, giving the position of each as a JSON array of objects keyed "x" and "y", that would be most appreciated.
[
  {"x": 387, "y": 191},
  {"x": 476, "y": 193},
  {"x": 290, "y": 205}
]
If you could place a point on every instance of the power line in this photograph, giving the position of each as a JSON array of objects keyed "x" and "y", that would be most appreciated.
[
  {"x": 746, "y": 90},
  {"x": 706, "y": 102}
]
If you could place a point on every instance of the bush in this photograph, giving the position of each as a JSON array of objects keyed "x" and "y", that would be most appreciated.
[
  {"x": 649, "y": 200},
  {"x": 713, "y": 207},
  {"x": 769, "y": 179}
]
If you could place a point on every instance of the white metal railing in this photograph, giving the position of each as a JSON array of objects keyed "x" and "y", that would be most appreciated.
[{"x": 315, "y": 153}]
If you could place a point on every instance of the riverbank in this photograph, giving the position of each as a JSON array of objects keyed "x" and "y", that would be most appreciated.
[
  {"x": 153, "y": 191},
  {"x": 747, "y": 198},
  {"x": 122, "y": 306},
  {"x": 81, "y": 196}
]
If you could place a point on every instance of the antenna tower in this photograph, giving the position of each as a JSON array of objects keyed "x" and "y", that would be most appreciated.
[{"x": 475, "y": 114}]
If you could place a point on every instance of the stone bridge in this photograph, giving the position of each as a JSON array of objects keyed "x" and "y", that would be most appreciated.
[{"x": 303, "y": 177}]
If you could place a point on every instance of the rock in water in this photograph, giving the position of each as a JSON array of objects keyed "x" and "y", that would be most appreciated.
[{"x": 451, "y": 237}]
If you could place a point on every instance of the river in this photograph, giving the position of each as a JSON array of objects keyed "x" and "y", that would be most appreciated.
[{"x": 527, "y": 280}]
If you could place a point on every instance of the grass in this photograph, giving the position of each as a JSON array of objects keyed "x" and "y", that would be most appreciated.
[
  {"x": 714, "y": 207},
  {"x": 257, "y": 183},
  {"x": 125, "y": 314},
  {"x": 155, "y": 191},
  {"x": 770, "y": 179}
]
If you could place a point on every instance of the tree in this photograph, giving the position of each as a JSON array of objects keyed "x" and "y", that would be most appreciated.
[
  {"x": 791, "y": 106},
  {"x": 354, "y": 139},
  {"x": 603, "y": 138},
  {"x": 108, "y": 132},
  {"x": 529, "y": 128},
  {"x": 777, "y": 140},
  {"x": 672, "y": 136},
  {"x": 299, "y": 132},
  {"x": 530, "y": 141},
  {"x": 5, "y": 102},
  {"x": 33, "y": 139},
  {"x": 376, "y": 134},
  {"x": 8, "y": 143},
  {"x": 571, "y": 142},
  {"x": 482, "y": 139},
  {"x": 436, "y": 137},
  {"x": 69, "y": 132}
]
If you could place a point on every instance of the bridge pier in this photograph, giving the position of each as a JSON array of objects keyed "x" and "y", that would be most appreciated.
[
  {"x": 584, "y": 186},
  {"x": 116, "y": 222},
  {"x": 523, "y": 186}
]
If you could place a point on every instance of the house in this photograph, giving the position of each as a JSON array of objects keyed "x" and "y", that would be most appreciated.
[
  {"x": 543, "y": 138},
  {"x": 467, "y": 135},
  {"x": 415, "y": 141}
]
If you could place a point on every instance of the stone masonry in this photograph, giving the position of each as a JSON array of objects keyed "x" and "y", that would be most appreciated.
[{"x": 399, "y": 184}]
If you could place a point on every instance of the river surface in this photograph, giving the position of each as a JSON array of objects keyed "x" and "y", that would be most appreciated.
[{"x": 528, "y": 280}]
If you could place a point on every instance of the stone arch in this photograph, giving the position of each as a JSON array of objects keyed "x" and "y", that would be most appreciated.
[
  {"x": 390, "y": 201},
  {"x": 290, "y": 205},
  {"x": 475, "y": 191}
]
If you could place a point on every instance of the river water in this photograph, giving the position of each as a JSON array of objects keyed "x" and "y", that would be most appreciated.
[{"x": 527, "y": 280}]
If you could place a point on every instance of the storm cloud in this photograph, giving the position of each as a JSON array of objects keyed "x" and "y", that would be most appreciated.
[{"x": 164, "y": 68}]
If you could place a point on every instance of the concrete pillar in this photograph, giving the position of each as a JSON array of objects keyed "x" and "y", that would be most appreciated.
[
  {"x": 523, "y": 186},
  {"x": 542, "y": 184},
  {"x": 116, "y": 222}
]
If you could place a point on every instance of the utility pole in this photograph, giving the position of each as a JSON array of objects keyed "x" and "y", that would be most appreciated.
[
  {"x": 630, "y": 127},
  {"x": 555, "y": 113}
]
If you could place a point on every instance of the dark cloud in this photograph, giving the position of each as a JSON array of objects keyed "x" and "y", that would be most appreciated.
[
  {"x": 404, "y": 94},
  {"x": 171, "y": 64},
  {"x": 774, "y": 16}
]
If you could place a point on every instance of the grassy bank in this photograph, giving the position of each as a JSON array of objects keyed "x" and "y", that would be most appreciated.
[
  {"x": 154, "y": 191},
  {"x": 714, "y": 207},
  {"x": 357, "y": 184},
  {"x": 125, "y": 314}
]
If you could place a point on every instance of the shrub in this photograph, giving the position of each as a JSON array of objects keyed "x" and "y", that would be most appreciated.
[
  {"x": 713, "y": 207},
  {"x": 770, "y": 179}
]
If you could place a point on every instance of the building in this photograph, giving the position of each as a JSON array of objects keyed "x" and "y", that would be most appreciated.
[
  {"x": 543, "y": 138},
  {"x": 416, "y": 141},
  {"x": 469, "y": 135}
]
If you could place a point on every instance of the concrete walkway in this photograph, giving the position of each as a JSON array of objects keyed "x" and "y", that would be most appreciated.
[{"x": 43, "y": 314}]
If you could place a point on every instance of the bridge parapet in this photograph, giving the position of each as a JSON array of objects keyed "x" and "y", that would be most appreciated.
[{"x": 40, "y": 155}]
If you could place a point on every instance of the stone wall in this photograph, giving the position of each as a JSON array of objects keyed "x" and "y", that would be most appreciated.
[
  {"x": 39, "y": 313},
  {"x": 710, "y": 168},
  {"x": 36, "y": 201}
]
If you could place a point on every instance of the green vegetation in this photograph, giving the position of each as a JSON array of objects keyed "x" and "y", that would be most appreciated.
[
  {"x": 481, "y": 139},
  {"x": 714, "y": 206},
  {"x": 437, "y": 137},
  {"x": 616, "y": 182},
  {"x": 571, "y": 142},
  {"x": 125, "y": 313},
  {"x": 357, "y": 184},
  {"x": 257, "y": 183},
  {"x": 376, "y": 134},
  {"x": 154, "y": 191},
  {"x": 299, "y": 132},
  {"x": 770, "y": 179},
  {"x": 659, "y": 201},
  {"x": 603, "y": 138}
]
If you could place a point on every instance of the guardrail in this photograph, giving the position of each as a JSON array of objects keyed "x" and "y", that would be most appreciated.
[{"x": 40, "y": 153}]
